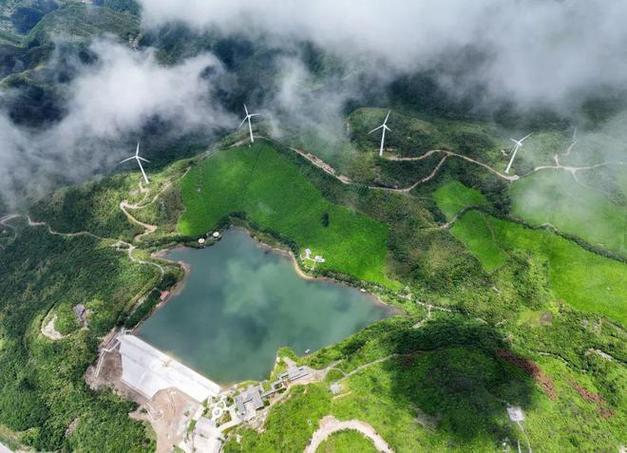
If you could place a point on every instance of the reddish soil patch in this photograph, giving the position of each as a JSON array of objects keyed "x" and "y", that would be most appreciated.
[
  {"x": 532, "y": 369},
  {"x": 593, "y": 398}
]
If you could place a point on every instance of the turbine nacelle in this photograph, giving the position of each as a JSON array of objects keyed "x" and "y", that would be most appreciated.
[
  {"x": 247, "y": 117},
  {"x": 517, "y": 145},
  {"x": 139, "y": 161},
  {"x": 384, "y": 128}
]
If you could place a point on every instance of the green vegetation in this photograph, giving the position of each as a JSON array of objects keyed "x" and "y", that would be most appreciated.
[
  {"x": 555, "y": 197},
  {"x": 453, "y": 196},
  {"x": 92, "y": 207},
  {"x": 584, "y": 279},
  {"x": 81, "y": 22},
  {"x": 259, "y": 184},
  {"x": 475, "y": 232},
  {"x": 446, "y": 389},
  {"x": 347, "y": 442},
  {"x": 42, "y": 390}
]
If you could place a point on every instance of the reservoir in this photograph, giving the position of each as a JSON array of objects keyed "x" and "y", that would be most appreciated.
[{"x": 241, "y": 301}]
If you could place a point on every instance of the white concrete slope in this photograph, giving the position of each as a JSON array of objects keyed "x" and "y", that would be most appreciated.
[{"x": 148, "y": 370}]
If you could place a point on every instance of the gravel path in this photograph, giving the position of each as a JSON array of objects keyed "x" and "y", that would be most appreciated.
[{"x": 330, "y": 425}]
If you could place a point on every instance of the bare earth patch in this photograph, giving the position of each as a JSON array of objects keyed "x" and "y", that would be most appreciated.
[
  {"x": 48, "y": 330},
  {"x": 330, "y": 425}
]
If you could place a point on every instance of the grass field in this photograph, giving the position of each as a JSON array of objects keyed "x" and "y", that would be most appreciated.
[
  {"x": 452, "y": 196},
  {"x": 275, "y": 196},
  {"x": 583, "y": 279},
  {"x": 555, "y": 197},
  {"x": 347, "y": 442}
]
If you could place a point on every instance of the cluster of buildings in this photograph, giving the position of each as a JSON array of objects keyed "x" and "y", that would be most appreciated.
[{"x": 231, "y": 408}]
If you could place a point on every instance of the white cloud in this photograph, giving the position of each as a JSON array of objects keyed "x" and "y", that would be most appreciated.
[
  {"x": 539, "y": 50},
  {"x": 107, "y": 102}
]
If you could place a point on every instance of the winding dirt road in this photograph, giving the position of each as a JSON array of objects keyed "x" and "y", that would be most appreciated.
[{"x": 330, "y": 425}]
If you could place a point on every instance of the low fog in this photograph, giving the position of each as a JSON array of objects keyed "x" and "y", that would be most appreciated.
[
  {"x": 526, "y": 51},
  {"x": 108, "y": 103}
]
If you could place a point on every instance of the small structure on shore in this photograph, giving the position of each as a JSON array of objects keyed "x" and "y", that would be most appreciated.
[
  {"x": 315, "y": 260},
  {"x": 201, "y": 241},
  {"x": 249, "y": 402},
  {"x": 216, "y": 235},
  {"x": 295, "y": 373}
]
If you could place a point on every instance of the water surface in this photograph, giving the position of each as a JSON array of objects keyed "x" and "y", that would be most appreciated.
[{"x": 241, "y": 302}]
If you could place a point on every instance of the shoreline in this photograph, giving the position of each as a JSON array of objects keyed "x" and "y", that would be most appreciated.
[
  {"x": 277, "y": 248},
  {"x": 287, "y": 253}
]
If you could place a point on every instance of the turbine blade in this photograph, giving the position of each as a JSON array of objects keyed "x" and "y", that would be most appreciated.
[
  {"x": 246, "y": 109},
  {"x": 137, "y": 149},
  {"x": 127, "y": 159},
  {"x": 376, "y": 129},
  {"x": 243, "y": 121},
  {"x": 142, "y": 159},
  {"x": 525, "y": 137},
  {"x": 387, "y": 116},
  {"x": 387, "y": 128},
  {"x": 254, "y": 114}
]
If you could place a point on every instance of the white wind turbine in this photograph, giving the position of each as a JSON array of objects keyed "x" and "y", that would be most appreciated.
[
  {"x": 250, "y": 127},
  {"x": 139, "y": 160},
  {"x": 385, "y": 128},
  {"x": 517, "y": 145}
]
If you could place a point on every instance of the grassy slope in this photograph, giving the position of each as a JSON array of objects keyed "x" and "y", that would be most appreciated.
[
  {"x": 448, "y": 392},
  {"x": 453, "y": 196},
  {"x": 476, "y": 232},
  {"x": 276, "y": 196},
  {"x": 347, "y": 442},
  {"x": 556, "y": 198},
  {"x": 583, "y": 279}
]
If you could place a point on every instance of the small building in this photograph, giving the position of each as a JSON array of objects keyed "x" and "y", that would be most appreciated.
[
  {"x": 80, "y": 312},
  {"x": 515, "y": 413},
  {"x": 336, "y": 388},
  {"x": 295, "y": 373},
  {"x": 249, "y": 401}
]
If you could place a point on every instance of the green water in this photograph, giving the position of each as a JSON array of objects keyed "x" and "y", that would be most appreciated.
[{"x": 241, "y": 302}]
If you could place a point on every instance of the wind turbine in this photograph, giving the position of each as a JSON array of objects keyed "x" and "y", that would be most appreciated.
[
  {"x": 250, "y": 127},
  {"x": 517, "y": 145},
  {"x": 139, "y": 160},
  {"x": 385, "y": 128}
]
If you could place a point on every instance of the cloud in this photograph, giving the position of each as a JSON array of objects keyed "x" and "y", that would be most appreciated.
[
  {"x": 531, "y": 50},
  {"x": 107, "y": 103}
]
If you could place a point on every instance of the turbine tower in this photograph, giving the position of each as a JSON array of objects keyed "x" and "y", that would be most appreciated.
[
  {"x": 250, "y": 127},
  {"x": 517, "y": 145},
  {"x": 139, "y": 160},
  {"x": 384, "y": 127}
]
